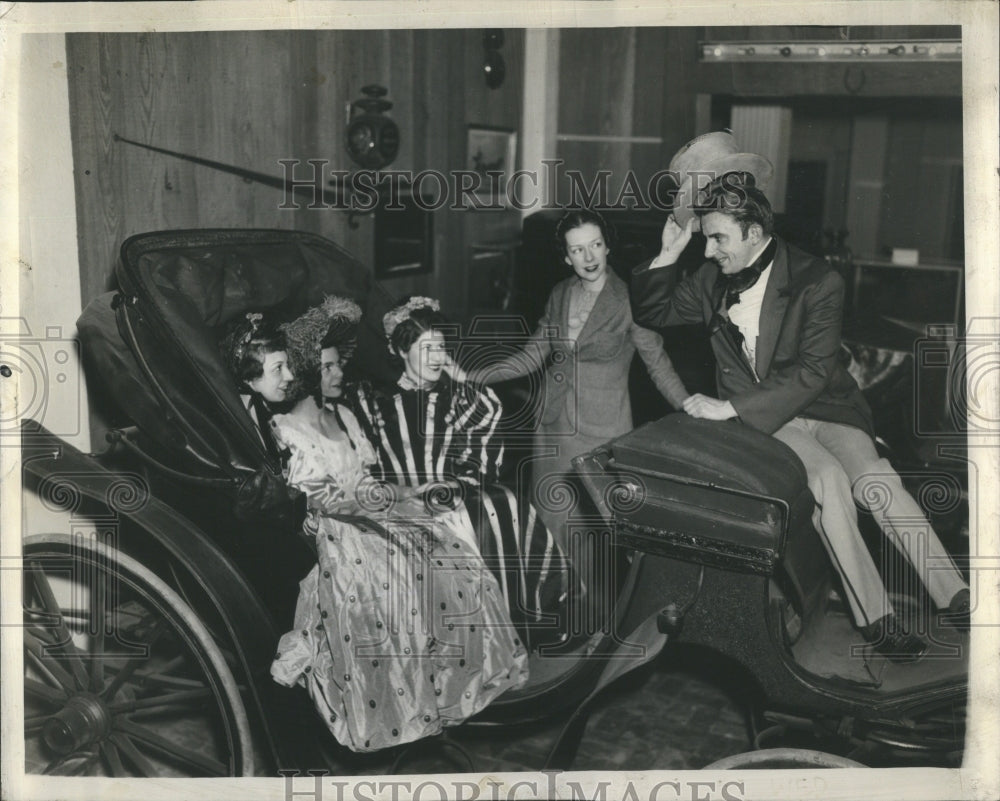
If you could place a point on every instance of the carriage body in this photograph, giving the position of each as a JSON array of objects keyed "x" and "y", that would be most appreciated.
[{"x": 184, "y": 519}]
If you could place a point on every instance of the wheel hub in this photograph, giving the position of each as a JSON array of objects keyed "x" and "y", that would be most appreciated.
[{"x": 84, "y": 720}]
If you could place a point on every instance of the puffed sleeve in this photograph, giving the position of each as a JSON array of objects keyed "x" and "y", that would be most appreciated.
[
  {"x": 306, "y": 470},
  {"x": 475, "y": 451}
]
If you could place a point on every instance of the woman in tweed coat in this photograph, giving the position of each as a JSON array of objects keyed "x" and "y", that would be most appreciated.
[{"x": 584, "y": 343}]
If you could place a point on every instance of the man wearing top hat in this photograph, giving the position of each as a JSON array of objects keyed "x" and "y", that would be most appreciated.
[{"x": 774, "y": 316}]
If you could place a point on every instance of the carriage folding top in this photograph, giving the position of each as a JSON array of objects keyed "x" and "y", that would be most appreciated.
[{"x": 154, "y": 344}]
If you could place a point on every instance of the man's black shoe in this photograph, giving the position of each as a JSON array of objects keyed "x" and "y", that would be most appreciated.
[
  {"x": 901, "y": 647},
  {"x": 888, "y": 639}
]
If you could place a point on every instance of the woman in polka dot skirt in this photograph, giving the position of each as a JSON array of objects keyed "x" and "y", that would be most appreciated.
[{"x": 400, "y": 629}]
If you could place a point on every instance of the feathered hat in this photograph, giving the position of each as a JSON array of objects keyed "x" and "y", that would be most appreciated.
[{"x": 335, "y": 315}]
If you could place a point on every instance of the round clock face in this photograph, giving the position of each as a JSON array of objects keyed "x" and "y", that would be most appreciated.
[{"x": 372, "y": 140}]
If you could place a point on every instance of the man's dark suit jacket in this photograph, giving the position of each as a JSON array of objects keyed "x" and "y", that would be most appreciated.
[{"x": 799, "y": 359}]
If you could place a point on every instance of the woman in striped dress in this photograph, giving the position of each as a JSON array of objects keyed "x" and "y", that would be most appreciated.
[{"x": 434, "y": 427}]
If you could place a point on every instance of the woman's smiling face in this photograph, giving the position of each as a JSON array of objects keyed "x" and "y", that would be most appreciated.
[
  {"x": 426, "y": 358},
  {"x": 272, "y": 384},
  {"x": 726, "y": 244},
  {"x": 587, "y": 252}
]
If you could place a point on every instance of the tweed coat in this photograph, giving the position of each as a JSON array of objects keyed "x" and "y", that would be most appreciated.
[
  {"x": 800, "y": 365},
  {"x": 586, "y": 381}
]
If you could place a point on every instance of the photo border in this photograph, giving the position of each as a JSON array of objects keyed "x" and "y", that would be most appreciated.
[{"x": 978, "y": 777}]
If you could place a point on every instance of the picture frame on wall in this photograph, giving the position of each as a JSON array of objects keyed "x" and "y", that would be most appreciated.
[{"x": 491, "y": 153}]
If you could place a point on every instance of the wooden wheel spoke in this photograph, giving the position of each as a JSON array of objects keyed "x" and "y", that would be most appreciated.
[
  {"x": 41, "y": 624},
  {"x": 48, "y": 598},
  {"x": 169, "y": 681},
  {"x": 112, "y": 758},
  {"x": 133, "y": 664},
  {"x": 142, "y": 765},
  {"x": 47, "y": 666},
  {"x": 170, "y": 749},
  {"x": 34, "y": 723},
  {"x": 167, "y": 702},
  {"x": 42, "y": 691},
  {"x": 172, "y": 665}
]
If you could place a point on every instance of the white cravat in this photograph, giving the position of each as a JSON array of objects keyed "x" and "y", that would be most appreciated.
[{"x": 746, "y": 314}]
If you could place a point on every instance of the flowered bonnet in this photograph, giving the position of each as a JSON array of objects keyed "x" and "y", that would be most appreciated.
[{"x": 402, "y": 312}]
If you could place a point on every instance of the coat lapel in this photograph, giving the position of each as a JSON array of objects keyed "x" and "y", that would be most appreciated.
[
  {"x": 563, "y": 308},
  {"x": 607, "y": 302},
  {"x": 772, "y": 310}
]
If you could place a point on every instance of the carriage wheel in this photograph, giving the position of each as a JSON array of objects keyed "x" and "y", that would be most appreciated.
[{"x": 121, "y": 678}]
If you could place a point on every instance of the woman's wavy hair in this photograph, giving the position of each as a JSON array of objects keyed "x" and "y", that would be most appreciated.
[
  {"x": 418, "y": 323},
  {"x": 575, "y": 218},
  {"x": 246, "y": 342}
]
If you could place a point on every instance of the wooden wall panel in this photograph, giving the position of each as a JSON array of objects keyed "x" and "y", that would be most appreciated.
[
  {"x": 401, "y": 92},
  {"x": 597, "y": 73},
  {"x": 647, "y": 85},
  {"x": 251, "y": 99},
  {"x": 917, "y": 211},
  {"x": 597, "y": 98},
  {"x": 99, "y": 205},
  {"x": 826, "y": 139},
  {"x": 679, "y": 92}
]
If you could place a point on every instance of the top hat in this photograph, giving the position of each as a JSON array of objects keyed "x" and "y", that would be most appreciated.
[{"x": 708, "y": 157}]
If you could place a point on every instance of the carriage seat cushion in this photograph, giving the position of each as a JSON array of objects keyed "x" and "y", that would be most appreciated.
[{"x": 715, "y": 492}]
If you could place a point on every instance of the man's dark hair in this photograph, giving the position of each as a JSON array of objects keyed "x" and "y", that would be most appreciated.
[{"x": 738, "y": 198}]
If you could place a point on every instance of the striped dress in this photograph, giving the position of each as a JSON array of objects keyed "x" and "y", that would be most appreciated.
[{"x": 449, "y": 434}]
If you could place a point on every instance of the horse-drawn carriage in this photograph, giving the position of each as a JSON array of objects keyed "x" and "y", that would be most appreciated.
[{"x": 159, "y": 573}]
